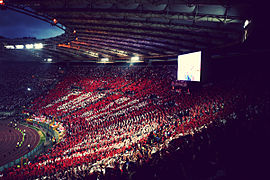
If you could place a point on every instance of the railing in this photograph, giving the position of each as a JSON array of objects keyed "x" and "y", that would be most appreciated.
[{"x": 47, "y": 128}]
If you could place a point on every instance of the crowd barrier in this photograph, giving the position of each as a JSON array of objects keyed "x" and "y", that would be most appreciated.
[
  {"x": 49, "y": 126},
  {"x": 46, "y": 128}
]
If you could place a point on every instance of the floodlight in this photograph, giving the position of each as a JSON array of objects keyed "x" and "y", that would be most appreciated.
[
  {"x": 246, "y": 23},
  {"x": 19, "y": 46},
  {"x": 49, "y": 59},
  {"x": 9, "y": 47},
  {"x": 104, "y": 59},
  {"x": 28, "y": 89},
  {"x": 135, "y": 58},
  {"x": 38, "y": 46},
  {"x": 29, "y": 46}
]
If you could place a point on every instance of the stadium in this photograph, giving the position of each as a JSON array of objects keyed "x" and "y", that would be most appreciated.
[{"x": 134, "y": 89}]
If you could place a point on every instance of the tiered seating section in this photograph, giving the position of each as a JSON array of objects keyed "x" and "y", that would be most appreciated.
[
  {"x": 16, "y": 78},
  {"x": 114, "y": 115}
]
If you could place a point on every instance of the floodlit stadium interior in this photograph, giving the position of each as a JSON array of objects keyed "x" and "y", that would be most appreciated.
[{"x": 134, "y": 89}]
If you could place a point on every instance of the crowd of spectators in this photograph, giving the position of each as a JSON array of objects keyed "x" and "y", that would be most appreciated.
[
  {"x": 127, "y": 122},
  {"x": 21, "y": 82}
]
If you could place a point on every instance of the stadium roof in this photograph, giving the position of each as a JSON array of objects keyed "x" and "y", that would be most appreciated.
[{"x": 121, "y": 29}]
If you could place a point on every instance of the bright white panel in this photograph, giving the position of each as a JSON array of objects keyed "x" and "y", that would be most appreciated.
[
  {"x": 9, "y": 47},
  {"x": 29, "y": 46},
  {"x": 38, "y": 46},
  {"x": 19, "y": 46},
  {"x": 189, "y": 67}
]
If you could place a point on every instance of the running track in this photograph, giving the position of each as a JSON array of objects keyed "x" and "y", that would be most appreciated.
[{"x": 8, "y": 141}]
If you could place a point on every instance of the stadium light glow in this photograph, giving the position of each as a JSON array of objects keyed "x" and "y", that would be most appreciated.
[
  {"x": 29, "y": 46},
  {"x": 246, "y": 23},
  {"x": 135, "y": 58},
  {"x": 49, "y": 59},
  {"x": 104, "y": 59},
  {"x": 9, "y": 47},
  {"x": 19, "y": 46},
  {"x": 38, "y": 46}
]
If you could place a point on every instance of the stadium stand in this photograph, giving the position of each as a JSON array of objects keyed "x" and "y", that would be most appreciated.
[
  {"x": 123, "y": 121},
  {"x": 17, "y": 78}
]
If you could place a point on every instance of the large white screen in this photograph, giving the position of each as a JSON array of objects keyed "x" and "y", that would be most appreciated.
[{"x": 189, "y": 67}]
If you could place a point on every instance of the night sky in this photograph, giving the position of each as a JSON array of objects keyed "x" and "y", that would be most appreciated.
[{"x": 17, "y": 25}]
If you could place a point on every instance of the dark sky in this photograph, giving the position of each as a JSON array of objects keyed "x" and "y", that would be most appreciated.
[{"x": 14, "y": 25}]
